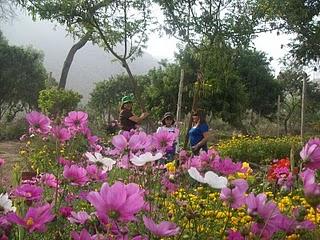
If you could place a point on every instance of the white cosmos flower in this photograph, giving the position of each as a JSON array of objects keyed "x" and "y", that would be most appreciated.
[
  {"x": 211, "y": 178},
  {"x": 97, "y": 158},
  {"x": 6, "y": 203},
  {"x": 144, "y": 158}
]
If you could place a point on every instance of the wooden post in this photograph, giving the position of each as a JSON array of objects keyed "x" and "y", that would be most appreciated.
[
  {"x": 278, "y": 116},
  {"x": 178, "y": 115},
  {"x": 302, "y": 108}
]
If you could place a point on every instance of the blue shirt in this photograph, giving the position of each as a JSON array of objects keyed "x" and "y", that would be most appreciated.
[{"x": 196, "y": 133}]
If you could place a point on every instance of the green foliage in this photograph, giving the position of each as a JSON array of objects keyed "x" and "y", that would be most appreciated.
[
  {"x": 57, "y": 102},
  {"x": 13, "y": 130},
  {"x": 255, "y": 73},
  {"x": 194, "y": 21},
  {"x": 298, "y": 17},
  {"x": 22, "y": 76},
  {"x": 291, "y": 80},
  {"x": 258, "y": 149}
]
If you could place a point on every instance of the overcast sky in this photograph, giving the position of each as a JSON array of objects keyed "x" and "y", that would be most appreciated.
[{"x": 163, "y": 47}]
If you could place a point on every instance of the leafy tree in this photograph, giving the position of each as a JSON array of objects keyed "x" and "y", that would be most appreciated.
[
  {"x": 22, "y": 76},
  {"x": 291, "y": 82},
  {"x": 255, "y": 73},
  {"x": 195, "y": 21},
  {"x": 120, "y": 26},
  {"x": 300, "y": 17},
  {"x": 106, "y": 97}
]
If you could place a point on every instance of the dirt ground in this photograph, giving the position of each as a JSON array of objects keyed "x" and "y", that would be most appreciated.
[{"x": 9, "y": 151}]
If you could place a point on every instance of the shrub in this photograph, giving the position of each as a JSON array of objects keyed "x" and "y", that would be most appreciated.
[
  {"x": 257, "y": 149},
  {"x": 13, "y": 130},
  {"x": 57, "y": 102}
]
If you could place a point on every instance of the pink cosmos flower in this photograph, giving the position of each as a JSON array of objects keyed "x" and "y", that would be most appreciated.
[
  {"x": 64, "y": 162},
  {"x": 170, "y": 186},
  {"x": 84, "y": 235},
  {"x": 163, "y": 140},
  {"x": 119, "y": 201},
  {"x": 310, "y": 187},
  {"x": 163, "y": 229},
  {"x": 234, "y": 235},
  {"x": 75, "y": 174},
  {"x": 65, "y": 211},
  {"x": 134, "y": 142},
  {"x": 76, "y": 120},
  {"x": 38, "y": 122},
  {"x": 290, "y": 225},
  {"x": 226, "y": 166},
  {"x": 235, "y": 196},
  {"x": 79, "y": 217},
  {"x": 2, "y": 161},
  {"x": 266, "y": 214},
  {"x": 194, "y": 161},
  {"x": 62, "y": 134},
  {"x": 35, "y": 219},
  {"x": 29, "y": 192},
  {"x": 120, "y": 142},
  {"x": 311, "y": 153},
  {"x": 96, "y": 174},
  {"x": 49, "y": 180}
]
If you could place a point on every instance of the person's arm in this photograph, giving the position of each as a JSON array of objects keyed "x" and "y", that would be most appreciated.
[
  {"x": 139, "y": 119},
  {"x": 203, "y": 141}
]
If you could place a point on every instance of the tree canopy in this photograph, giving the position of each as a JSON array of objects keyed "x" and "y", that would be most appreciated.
[{"x": 22, "y": 76}]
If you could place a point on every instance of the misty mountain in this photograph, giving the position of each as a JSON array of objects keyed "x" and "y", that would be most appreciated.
[{"x": 91, "y": 64}]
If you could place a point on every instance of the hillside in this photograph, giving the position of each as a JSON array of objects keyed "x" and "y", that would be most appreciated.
[{"x": 91, "y": 64}]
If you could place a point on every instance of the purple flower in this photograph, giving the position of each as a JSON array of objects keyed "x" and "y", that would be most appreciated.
[
  {"x": 235, "y": 196},
  {"x": 79, "y": 217},
  {"x": 311, "y": 153},
  {"x": 35, "y": 219},
  {"x": 29, "y": 192},
  {"x": 163, "y": 229},
  {"x": 234, "y": 235},
  {"x": 84, "y": 235},
  {"x": 226, "y": 166},
  {"x": 76, "y": 175},
  {"x": 49, "y": 180},
  {"x": 163, "y": 140},
  {"x": 310, "y": 187},
  {"x": 119, "y": 201},
  {"x": 76, "y": 120},
  {"x": 266, "y": 214},
  {"x": 62, "y": 134},
  {"x": 96, "y": 174},
  {"x": 1, "y": 161},
  {"x": 120, "y": 142},
  {"x": 64, "y": 161},
  {"x": 65, "y": 211},
  {"x": 290, "y": 225},
  {"x": 38, "y": 122}
]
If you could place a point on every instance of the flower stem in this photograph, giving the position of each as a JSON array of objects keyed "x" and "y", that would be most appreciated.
[{"x": 227, "y": 221}]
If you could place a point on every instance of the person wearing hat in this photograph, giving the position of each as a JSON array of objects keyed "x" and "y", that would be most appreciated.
[
  {"x": 128, "y": 120},
  {"x": 168, "y": 125}
]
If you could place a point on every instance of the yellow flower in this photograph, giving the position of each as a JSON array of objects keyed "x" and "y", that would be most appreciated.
[{"x": 171, "y": 167}]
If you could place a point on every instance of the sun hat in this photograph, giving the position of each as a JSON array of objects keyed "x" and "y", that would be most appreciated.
[
  {"x": 127, "y": 99},
  {"x": 166, "y": 115}
]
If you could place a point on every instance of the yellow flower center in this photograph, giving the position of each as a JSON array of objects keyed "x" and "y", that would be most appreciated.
[{"x": 30, "y": 221}]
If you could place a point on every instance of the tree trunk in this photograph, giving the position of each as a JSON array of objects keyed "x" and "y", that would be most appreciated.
[{"x": 69, "y": 59}]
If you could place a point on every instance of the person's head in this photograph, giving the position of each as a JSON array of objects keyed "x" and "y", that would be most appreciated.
[
  {"x": 168, "y": 119},
  {"x": 198, "y": 116},
  {"x": 127, "y": 102}
]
